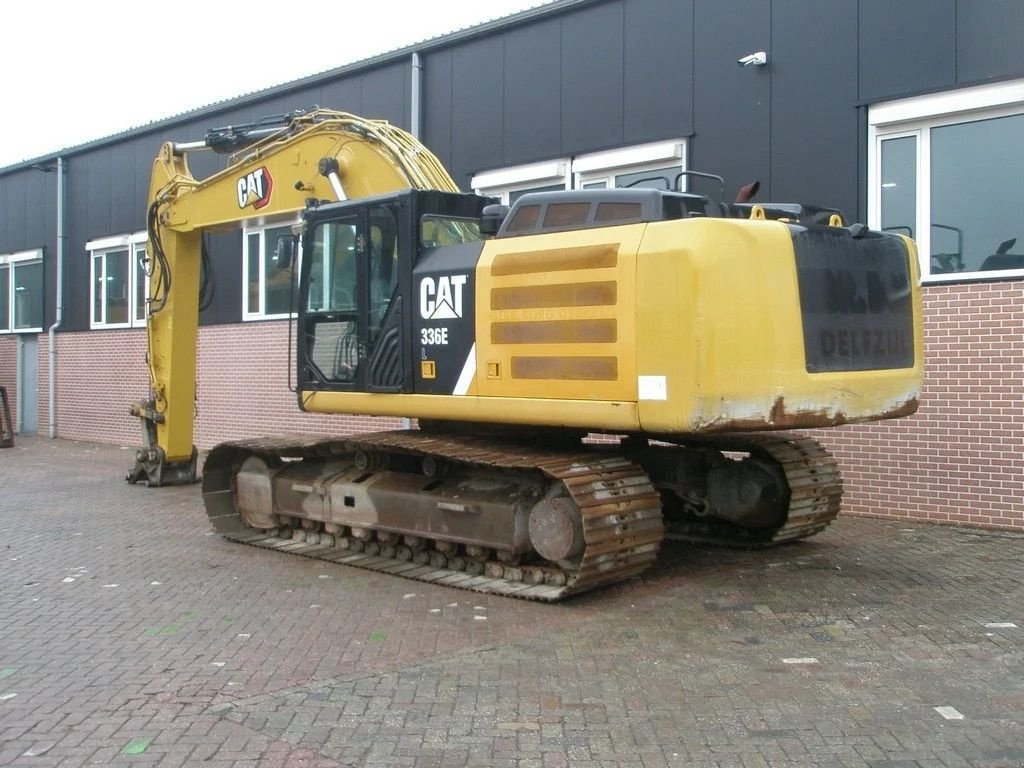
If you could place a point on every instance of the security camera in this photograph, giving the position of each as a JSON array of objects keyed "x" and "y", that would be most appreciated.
[{"x": 758, "y": 59}]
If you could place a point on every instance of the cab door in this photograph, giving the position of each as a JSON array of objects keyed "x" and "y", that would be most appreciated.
[{"x": 352, "y": 318}]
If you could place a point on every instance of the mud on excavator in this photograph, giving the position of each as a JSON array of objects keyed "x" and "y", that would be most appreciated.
[{"x": 687, "y": 331}]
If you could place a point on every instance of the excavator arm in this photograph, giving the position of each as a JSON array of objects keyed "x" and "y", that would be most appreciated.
[{"x": 277, "y": 169}]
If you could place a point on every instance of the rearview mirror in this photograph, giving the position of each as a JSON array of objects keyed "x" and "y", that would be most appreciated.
[
  {"x": 284, "y": 255},
  {"x": 491, "y": 219}
]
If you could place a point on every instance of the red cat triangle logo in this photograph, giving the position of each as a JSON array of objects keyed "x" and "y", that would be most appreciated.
[{"x": 254, "y": 188}]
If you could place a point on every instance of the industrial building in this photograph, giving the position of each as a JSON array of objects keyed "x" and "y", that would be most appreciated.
[{"x": 907, "y": 116}]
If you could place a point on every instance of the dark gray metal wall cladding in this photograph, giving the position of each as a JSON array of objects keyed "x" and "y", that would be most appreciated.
[
  {"x": 732, "y": 105},
  {"x": 476, "y": 124},
  {"x": 583, "y": 77},
  {"x": 988, "y": 39},
  {"x": 28, "y": 214},
  {"x": 591, "y": 78},
  {"x": 532, "y": 95},
  {"x": 592, "y": 82},
  {"x": 814, "y": 153},
  {"x": 906, "y": 47},
  {"x": 27, "y": 207},
  {"x": 657, "y": 69}
]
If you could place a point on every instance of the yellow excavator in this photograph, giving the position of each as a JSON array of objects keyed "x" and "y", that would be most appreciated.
[{"x": 591, "y": 370}]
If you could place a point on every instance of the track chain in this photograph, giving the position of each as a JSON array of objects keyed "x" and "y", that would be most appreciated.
[{"x": 620, "y": 507}]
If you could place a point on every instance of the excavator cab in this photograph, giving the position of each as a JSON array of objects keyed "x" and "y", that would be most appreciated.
[{"x": 357, "y": 290}]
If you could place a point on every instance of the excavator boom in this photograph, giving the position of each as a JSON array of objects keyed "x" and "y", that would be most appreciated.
[{"x": 312, "y": 156}]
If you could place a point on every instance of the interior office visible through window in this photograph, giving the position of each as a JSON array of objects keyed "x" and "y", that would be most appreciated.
[
  {"x": 21, "y": 292},
  {"x": 119, "y": 284},
  {"x": 267, "y": 271},
  {"x": 657, "y": 165},
  {"x": 946, "y": 169}
]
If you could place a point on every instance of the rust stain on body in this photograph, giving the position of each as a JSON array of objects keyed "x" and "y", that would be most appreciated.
[{"x": 779, "y": 418}]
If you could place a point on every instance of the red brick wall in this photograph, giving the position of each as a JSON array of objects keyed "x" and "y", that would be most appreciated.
[
  {"x": 958, "y": 460},
  {"x": 242, "y": 390},
  {"x": 43, "y": 356},
  {"x": 9, "y": 370},
  {"x": 99, "y": 373}
]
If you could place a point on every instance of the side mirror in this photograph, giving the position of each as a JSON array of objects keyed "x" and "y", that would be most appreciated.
[
  {"x": 491, "y": 219},
  {"x": 285, "y": 253}
]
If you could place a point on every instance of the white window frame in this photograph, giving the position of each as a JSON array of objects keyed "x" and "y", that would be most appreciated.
[
  {"x": 916, "y": 117},
  {"x": 260, "y": 227},
  {"x": 101, "y": 247},
  {"x": 504, "y": 181},
  {"x": 10, "y": 262},
  {"x": 606, "y": 166},
  {"x": 573, "y": 173}
]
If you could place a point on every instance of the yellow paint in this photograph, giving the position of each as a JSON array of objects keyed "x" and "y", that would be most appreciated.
[
  {"x": 374, "y": 158},
  {"x": 556, "y": 259},
  {"x": 721, "y": 321},
  {"x": 585, "y": 414},
  {"x": 711, "y": 307},
  {"x": 565, "y": 327}
]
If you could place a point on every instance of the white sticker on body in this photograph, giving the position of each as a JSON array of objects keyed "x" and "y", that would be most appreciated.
[{"x": 652, "y": 388}]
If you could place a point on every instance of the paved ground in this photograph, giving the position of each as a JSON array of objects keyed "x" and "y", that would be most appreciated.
[{"x": 130, "y": 635}]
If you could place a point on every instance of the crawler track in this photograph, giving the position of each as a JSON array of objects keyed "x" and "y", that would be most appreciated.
[
  {"x": 815, "y": 486},
  {"x": 618, "y": 503},
  {"x": 620, "y": 508}
]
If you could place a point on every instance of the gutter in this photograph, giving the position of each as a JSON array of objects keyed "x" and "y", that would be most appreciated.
[
  {"x": 52, "y": 367},
  {"x": 416, "y": 108}
]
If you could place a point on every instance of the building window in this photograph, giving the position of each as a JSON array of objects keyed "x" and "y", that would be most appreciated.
[
  {"x": 21, "y": 292},
  {"x": 267, "y": 274},
  {"x": 946, "y": 169},
  {"x": 658, "y": 165},
  {"x": 119, "y": 281},
  {"x": 509, "y": 184}
]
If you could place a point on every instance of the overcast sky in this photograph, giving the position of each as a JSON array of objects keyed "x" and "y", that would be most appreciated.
[{"x": 77, "y": 71}]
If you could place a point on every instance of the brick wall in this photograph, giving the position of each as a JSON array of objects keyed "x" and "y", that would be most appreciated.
[
  {"x": 959, "y": 460},
  {"x": 242, "y": 390},
  {"x": 43, "y": 397},
  {"x": 9, "y": 370},
  {"x": 98, "y": 374}
]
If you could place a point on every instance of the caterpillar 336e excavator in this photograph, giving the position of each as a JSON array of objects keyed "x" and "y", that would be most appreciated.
[{"x": 691, "y": 330}]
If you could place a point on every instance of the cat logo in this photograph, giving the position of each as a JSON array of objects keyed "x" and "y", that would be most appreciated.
[
  {"x": 254, "y": 188},
  {"x": 441, "y": 299}
]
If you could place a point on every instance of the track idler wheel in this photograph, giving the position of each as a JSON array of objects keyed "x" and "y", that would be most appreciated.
[
  {"x": 556, "y": 529},
  {"x": 255, "y": 493}
]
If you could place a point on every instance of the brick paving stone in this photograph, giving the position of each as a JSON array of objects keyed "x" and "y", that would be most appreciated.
[{"x": 216, "y": 653}]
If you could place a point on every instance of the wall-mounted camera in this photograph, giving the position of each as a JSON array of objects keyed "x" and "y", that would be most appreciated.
[{"x": 758, "y": 59}]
